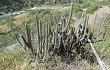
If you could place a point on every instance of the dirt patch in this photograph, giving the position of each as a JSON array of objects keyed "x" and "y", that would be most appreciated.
[
  {"x": 19, "y": 19},
  {"x": 3, "y": 28}
]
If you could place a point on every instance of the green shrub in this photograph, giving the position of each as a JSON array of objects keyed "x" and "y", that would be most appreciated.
[
  {"x": 93, "y": 7},
  {"x": 85, "y": 4},
  {"x": 77, "y": 8},
  {"x": 90, "y": 5},
  {"x": 5, "y": 39}
]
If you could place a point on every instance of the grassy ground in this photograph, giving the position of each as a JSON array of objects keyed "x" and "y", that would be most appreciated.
[
  {"x": 12, "y": 60},
  {"x": 16, "y": 60}
]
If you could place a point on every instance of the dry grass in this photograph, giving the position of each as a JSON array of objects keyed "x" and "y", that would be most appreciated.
[
  {"x": 19, "y": 19},
  {"x": 11, "y": 60},
  {"x": 75, "y": 65},
  {"x": 3, "y": 28}
]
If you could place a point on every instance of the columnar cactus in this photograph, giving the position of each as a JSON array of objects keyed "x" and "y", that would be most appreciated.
[{"x": 60, "y": 38}]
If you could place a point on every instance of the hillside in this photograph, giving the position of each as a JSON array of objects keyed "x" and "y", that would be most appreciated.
[{"x": 74, "y": 37}]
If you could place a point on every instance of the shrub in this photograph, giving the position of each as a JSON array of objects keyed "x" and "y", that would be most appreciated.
[
  {"x": 90, "y": 5},
  {"x": 93, "y": 7},
  {"x": 77, "y": 8},
  {"x": 5, "y": 39}
]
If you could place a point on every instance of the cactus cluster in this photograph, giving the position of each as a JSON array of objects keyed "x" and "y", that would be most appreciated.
[{"x": 57, "y": 39}]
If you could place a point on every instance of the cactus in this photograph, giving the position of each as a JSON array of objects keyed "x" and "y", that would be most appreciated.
[
  {"x": 43, "y": 38},
  {"x": 63, "y": 39},
  {"x": 46, "y": 39},
  {"x": 70, "y": 15},
  {"x": 38, "y": 37}
]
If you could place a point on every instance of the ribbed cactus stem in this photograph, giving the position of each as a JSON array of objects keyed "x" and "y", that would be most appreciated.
[
  {"x": 77, "y": 37},
  {"x": 70, "y": 15},
  {"x": 21, "y": 43},
  {"x": 63, "y": 20},
  {"x": 60, "y": 40},
  {"x": 49, "y": 27},
  {"x": 80, "y": 21},
  {"x": 18, "y": 40},
  {"x": 84, "y": 23},
  {"x": 43, "y": 39},
  {"x": 27, "y": 44},
  {"x": 85, "y": 27},
  {"x": 53, "y": 38},
  {"x": 40, "y": 52},
  {"x": 46, "y": 48},
  {"x": 38, "y": 37},
  {"x": 28, "y": 35},
  {"x": 56, "y": 33}
]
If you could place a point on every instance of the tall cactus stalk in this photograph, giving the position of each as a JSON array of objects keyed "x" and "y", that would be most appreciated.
[
  {"x": 28, "y": 40},
  {"x": 43, "y": 43},
  {"x": 38, "y": 35},
  {"x": 70, "y": 15},
  {"x": 56, "y": 33},
  {"x": 46, "y": 48}
]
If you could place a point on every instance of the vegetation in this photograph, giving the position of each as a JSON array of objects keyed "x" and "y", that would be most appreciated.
[
  {"x": 89, "y": 5},
  {"x": 12, "y": 59},
  {"x": 16, "y": 5},
  {"x": 59, "y": 39},
  {"x": 5, "y": 39},
  {"x": 48, "y": 52}
]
